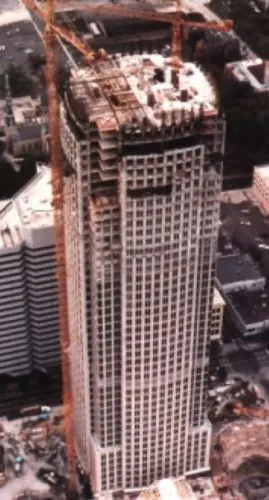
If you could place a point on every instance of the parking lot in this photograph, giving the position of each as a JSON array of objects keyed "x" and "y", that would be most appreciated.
[{"x": 17, "y": 40}]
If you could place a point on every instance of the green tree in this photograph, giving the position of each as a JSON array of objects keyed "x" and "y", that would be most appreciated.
[
  {"x": 20, "y": 81},
  {"x": 36, "y": 61}
]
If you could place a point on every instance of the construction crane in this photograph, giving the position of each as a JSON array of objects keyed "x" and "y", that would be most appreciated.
[
  {"x": 58, "y": 206},
  {"x": 121, "y": 11},
  {"x": 51, "y": 32},
  {"x": 175, "y": 20},
  {"x": 66, "y": 35}
]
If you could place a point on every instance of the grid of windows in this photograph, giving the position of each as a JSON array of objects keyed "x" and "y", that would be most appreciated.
[
  {"x": 169, "y": 254},
  {"x": 142, "y": 232},
  {"x": 29, "y": 330}
]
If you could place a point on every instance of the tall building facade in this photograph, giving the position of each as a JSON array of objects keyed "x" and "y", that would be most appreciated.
[
  {"x": 143, "y": 148},
  {"x": 29, "y": 326}
]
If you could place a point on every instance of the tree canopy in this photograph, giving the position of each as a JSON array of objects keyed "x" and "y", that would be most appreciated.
[
  {"x": 251, "y": 23},
  {"x": 20, "y": 81}
]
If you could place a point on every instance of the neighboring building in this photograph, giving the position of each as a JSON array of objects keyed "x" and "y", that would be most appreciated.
[
  {"x": 261, "y": 186},
  {"x": 25, "y": 110},
  {"x": 142, "y": 213},
  {"x": 28, "y": 295},
  {"x": 249, "y": 310},
  {"x": 251, "y": 72},
  {"x": 217, "y": 316},
  {"x": 24, "y": 126},
  {"x": 243, "y": 260},
  {"x": 30, "y": 138},
  {"x": 238, "y": 272}
]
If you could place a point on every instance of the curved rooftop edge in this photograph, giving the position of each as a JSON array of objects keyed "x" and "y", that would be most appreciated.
[
  {"x": 28, "y": 216},
  {"x": 130, "y": 89}
]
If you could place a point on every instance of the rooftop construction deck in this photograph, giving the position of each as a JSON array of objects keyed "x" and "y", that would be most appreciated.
[{"x": 129, "y": 89}]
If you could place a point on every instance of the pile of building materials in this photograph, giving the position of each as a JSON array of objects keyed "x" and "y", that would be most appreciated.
[
  {"x": 180, "y": 489},
  {"x": 243, "y": 440},
  {"x": 32, "y": 452}
]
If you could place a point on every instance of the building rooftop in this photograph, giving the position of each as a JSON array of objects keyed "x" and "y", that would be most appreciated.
[
  {"x": 244, "y": 228},
  {"x": 243, "y": 72},
  {"x": 12, "y": 16},
  {"x": 30, "y": 208},
  {"x": 23, "y": 108},
  {"x": 30, "y": 131},
  {"x": 235, "y": 268},
  {"x": 251, "y": 305},
  {"x": 169, "y": 489},
  {"x": 244, "y": 224},
  {"x": 132, "y": 88}
]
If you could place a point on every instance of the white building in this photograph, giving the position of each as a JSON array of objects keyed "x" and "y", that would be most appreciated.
[
  {"x": 261, "y": 186},
  {"x": 252, "y": 72},
  {"x": 25, "y": 109},
  {"x": 217, "y": 315},
  {"x": 29, "y": 336},
  {"x": 22, "y": 123},
  {"x": 142, "y": 212}
]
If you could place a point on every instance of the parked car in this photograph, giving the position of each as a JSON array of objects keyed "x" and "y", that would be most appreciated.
[{"x": 51, "y": 478}]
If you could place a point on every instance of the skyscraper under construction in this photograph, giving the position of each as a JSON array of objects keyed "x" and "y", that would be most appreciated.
[{"x": 143, "y": 143}]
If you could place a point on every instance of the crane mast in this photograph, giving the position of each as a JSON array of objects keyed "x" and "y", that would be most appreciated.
[
  {"x": 175, "y": 20},
  {"x": 58, "y": 205},
  {"x": 176, "y": 38}
]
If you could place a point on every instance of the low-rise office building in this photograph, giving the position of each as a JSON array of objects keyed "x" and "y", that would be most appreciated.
[
  {"x": 28, "y": 295},
  {"x": 238, "y": 271},
  {"x": 249, "y": 310}
]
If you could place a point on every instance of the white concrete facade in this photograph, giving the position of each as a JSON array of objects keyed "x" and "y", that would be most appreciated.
[
  {"x": 29, "y": 335},
  {"x": 142, "y": 212},
  {"x": 217, "y": 315},
  {"x": 261, "y": 186}
]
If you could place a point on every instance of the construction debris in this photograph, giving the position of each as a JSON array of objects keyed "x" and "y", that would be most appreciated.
[
  {"x": 242, "y": 440},
  {"x": 180, "y": 489},
  {"x": 32, "y": 452}
]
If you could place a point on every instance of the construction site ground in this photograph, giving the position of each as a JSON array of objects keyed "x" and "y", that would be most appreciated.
[
  {"x": 243, "y": 455},
  {"x": 32, "y": 463}
]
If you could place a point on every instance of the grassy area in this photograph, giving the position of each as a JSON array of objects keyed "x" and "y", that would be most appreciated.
[{"x": 251, "y": 24}]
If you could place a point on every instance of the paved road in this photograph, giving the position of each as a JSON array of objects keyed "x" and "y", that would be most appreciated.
[{"x": 15, "y": 39}]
